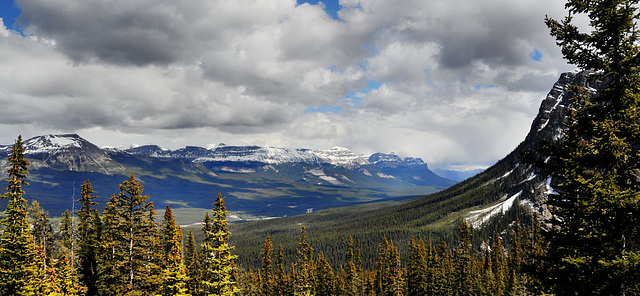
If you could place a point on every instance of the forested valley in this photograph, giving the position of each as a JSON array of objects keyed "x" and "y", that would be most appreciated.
[
  {"x": 589, "y": 246},
  {"x": 123, "y": 250}
]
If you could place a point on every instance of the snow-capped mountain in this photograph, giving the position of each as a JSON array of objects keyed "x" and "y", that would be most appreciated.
[
  {"x": 67, "y": 152},
  {"x": 254, "y": 154},
  {"x": 257, "y": 180}
]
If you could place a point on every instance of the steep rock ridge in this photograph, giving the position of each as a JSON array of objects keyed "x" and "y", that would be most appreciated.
[{"x": 514, "y": 178}]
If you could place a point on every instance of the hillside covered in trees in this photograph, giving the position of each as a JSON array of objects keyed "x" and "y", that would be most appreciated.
[
  {"x": 591, "y": 245},
  {"x": 125, "y": 251}
]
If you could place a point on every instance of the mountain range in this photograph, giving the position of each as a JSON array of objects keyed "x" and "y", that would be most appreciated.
[{"x": 258, "y": 181}]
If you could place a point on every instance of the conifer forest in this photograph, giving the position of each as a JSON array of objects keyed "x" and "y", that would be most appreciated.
[{"x": 590, "y": 246}]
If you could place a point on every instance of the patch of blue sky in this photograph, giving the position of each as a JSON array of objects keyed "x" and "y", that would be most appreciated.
[
  {"x": 323, "y": 109},
  {"x": 330, "y": 6},
  {"x": 536, "y": 55},
  {"x": 482, "y": 85},
  {"x": 352, "y": 99},
  {"x": 9, "y": 11},
  {"x": 372, "y": 50}
]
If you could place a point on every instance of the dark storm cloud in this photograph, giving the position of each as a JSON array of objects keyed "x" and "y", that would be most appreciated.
[
  {"x": 122, "y": 32},
  {"x": 252, "y": 69}
]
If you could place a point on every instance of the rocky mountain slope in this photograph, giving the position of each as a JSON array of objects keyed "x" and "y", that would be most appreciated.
[
  {"x": 511, "y": 189},
  {"x": 258, "y": 181}
]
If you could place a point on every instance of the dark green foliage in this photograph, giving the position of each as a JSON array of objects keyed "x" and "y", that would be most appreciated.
[
  {"x": 417, "y": 270},
  {"x": 18, "y": 256},
  {"x": 88, "y": 238},
  {"x": 65, "y": 232},
  {"x": 304, "y": 274},
  {"x": 130, "y": 247},
  {"x": 465, "y": 262},
  {"x": 42, "y": 234},
  {"x": 597, "y": 162},
  {"x": 192, "y": 264},
  {"x": 353, "y": 273},
  {"x": 219, "y": 262},
  {"x": 389, "y": 279},
  {"x": 174, "y": 276},
  {"x": 325, "y": 278},
  {"x": 267, "y": 285}
]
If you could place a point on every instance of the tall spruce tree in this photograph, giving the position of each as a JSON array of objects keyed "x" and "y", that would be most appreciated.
[
  {"x": 18, "y": 256},
  {"x": 88, "y": 238},
  {"x": 218, "y": 279},
  {"x": 282, "y": 279},
  {"x": 65, "y": 234},
  {"x": 417, "y": 268},
  {"x": 325, "y": 283},
  {"x": 464, "y": 273},
  {"x": 42, "y": 234},
  {"x": 389, "y": 279},
  {"x": 129, "y": 243},
  {"x": 174, "y": 272},
  {"x": 594, "y": 246},
  {"x": 111, "y": 260},
  {"x": 353, "y": 271},
  {"x": 267, "y": 284},
  {"x": 191, "y": 262},
  {"x": 304, "y": 275}
]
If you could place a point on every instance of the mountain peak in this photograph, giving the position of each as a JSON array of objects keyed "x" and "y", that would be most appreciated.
[{"x": 50, "y": 143}]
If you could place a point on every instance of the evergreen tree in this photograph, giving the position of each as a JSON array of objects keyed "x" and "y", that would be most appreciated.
[
  {"x": 499, "y": 267},
  {"x": 443, "y": 275},
  {"x": 206, "y": 254},
  {"x": 282, "y": 279},
  {"x": 464, "y": 274},
  {"x": 304, "y": 272},
  {"x": 389, "y": 279},
  {"x": 267, "y": 285},
  {"x": 432, "y": 264},
  {"x": 130, "y": 243},
  {"x": 64, "y": 280},
  {"x": 174, "y": 272},
  {"x": 353, "y": 271},
  {"x": 18, "y": 256},
  {"x": 325, "y": 278},
  {"x": 594, "y": 246},
  {"x": 417, "y": 269},
  {"x": 42, "y": 234},
  {"x": 88, "y": 238},
  {"x": 218, "y": 278},
  {"x": 66, "y": 237},
  {"x": 151, "y": 272},
  {"x": 191, "y": 262},
  {"x": 111, "y": 259}
]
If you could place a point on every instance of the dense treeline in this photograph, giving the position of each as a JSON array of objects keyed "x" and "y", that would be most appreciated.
[
  {"x": 431, "y": 268},
  {"x": 591, "y": 248},
  {"x": 123, "y": 250}
]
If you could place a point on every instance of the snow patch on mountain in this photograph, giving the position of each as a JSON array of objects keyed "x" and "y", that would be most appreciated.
[
  {"x": 272, "y": 155},
  {"x": 385, "y": 176},
  {"x": 340, "y": 156},
  {"x": 50, "y": 143},
  {"x": 478, "y": 217},
  {"x": 331, "y": 180}
]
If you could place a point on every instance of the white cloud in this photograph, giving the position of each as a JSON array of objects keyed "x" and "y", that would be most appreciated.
[{"x": 190, "y": 72}]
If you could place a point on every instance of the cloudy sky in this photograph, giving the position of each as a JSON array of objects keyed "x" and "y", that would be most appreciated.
[{"x": 455, "y": 82}]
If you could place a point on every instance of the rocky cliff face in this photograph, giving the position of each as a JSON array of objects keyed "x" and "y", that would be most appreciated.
[{"x": 515, "y": 178}]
